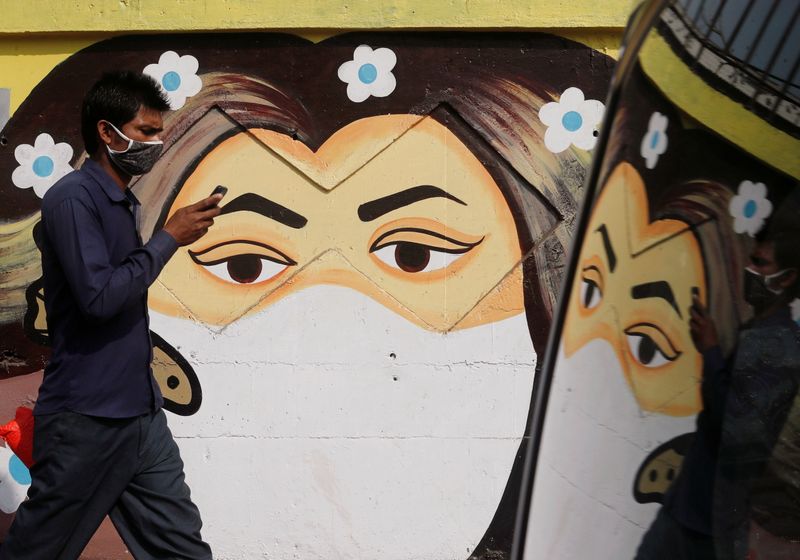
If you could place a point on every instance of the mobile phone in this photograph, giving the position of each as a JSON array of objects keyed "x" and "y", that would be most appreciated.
[
  {"x": 696, "y": 305},
  {"x": 219, "y": 189}
]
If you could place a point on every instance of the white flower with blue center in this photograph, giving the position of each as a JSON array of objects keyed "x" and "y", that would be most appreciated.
[
  {"x": 795, "y": 306},
  {"x": 571, "y": 120},
  {"x": 750, "y": 207},
  {"x": 654, "y": 142},
  {"x": 14, "y": 480},
  {"x": 369, "y": 73},
  {"x": 177, "y": 76},
  {"x": 42, "y": 164}
]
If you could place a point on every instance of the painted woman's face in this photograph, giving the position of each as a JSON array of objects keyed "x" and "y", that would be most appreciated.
[
  {"x": 355, "y": 319},
  {"x": 395, "y": 207},
  {"x": 633, "y": 289}
]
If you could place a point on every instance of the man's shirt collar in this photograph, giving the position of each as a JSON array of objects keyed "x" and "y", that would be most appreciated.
[{"x": 108, "y": 185}]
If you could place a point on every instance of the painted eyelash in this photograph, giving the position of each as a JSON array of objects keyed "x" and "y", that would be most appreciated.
[
  {"x": 465, "y": 245},
  {"x": 675, "y": 353},
  {"x": 195, "y": 255}
]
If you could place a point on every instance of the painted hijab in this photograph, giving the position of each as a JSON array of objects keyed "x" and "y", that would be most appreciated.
[{"x": 352, "y": 347}]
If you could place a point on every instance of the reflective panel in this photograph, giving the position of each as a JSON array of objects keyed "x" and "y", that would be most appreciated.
[{"x": 667, "y": 419}]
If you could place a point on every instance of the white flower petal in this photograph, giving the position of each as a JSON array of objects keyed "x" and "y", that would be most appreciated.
[
  {"x": 362, "y": 55},
  {"x": 154, "y": 71},
  {"x": 759, "y": 191},
  {"x": 556, "y": 140},
  {"x": 736, "y": 206},
  {"x": 551, "y": 113},
  {"x": 764, "y": 209},
  {"x": 191, "y": 85},
  {"x": 747, "y": 189},
  {"x": 348, "y": 71},
  {"x": 21, "y": 177},
  {"x": 63, "y": 152},
  {"x": 24, "y": 153},
  {"x": 658, "y": 122},
  {"x": 187, "y": 65},
  {"x": 61, "y": 170},
  {"x": 585, "y": 139},
  {"x": 44, "y": 142},
  {"x": 176, "y": 99},
  {"x": 357, "y": 92},
  {"x": 384, "y": 59},
  {"x": 169, "y": 59},
  {"x": 384, "y": 85},
  {"x": 41, "y": 188},
  {"x": 592, "y": 112},
  {"x": 571, "y": 99}
]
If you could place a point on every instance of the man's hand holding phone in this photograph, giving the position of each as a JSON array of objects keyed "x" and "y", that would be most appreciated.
[
  {"x": 190, "y": 223},
  {"x": 701, "y": 326}
]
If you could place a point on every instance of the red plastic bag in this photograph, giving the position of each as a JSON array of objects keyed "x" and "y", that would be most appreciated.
[{"x": 18, "y": 434}]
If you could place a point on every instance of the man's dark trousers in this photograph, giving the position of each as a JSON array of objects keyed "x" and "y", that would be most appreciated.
[{"x": 86, "y": 467}]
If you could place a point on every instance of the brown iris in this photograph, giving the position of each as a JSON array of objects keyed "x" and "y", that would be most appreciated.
[
  {"x": 412, "y": 257},
  {"x": 245, "y": 269}
]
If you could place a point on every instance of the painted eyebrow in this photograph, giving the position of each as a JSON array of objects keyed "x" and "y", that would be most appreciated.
[
  {"x": 660, "y": 289},
  {"x": 380, "y": 206},
  {"x": 612, "y": 256},
  {"x": 251, "y": 202}
]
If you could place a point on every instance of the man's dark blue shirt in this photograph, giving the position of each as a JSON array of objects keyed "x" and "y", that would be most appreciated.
[{"x": 96, "y": 273}]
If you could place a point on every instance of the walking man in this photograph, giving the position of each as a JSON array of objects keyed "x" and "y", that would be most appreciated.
[{"x": 101, "y": 441}]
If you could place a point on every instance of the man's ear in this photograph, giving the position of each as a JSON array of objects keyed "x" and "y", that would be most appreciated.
[{"x": 104, "y": 132}]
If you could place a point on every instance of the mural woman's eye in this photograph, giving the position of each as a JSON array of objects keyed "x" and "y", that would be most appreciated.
[
  {"x": 242, "y": 262},
  {"x": 417, "y": 250},
  {"x": 591, "y": 292},
  {"x": 650, "y": 346}
]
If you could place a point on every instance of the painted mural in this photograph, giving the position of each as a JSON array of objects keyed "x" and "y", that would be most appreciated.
[
  {"x": 350, "y": 352},
  {"x": 695, "y": 178}
]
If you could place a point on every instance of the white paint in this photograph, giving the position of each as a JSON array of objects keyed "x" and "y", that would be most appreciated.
[
  {"x": 313, "y": 442},
  {"x": 5, "y": 106},
  {"x": 12, "y": 492},
  {"x": 595, "y": 439}
]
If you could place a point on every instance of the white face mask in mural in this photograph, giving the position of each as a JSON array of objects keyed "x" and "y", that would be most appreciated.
[
  {"x": 341, "y": 429},
  {"x": 595, "y": 438},
  {"x": 14, "y": 481}
]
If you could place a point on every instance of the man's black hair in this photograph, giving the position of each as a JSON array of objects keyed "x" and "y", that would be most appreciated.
[
  {"x": 116, "y": 97},
  {"x": 786, "y": 247}
]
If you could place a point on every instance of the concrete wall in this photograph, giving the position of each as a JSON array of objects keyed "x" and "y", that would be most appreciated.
[{"x": 352, "y": 379}]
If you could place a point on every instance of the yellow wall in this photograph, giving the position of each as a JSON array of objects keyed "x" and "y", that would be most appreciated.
[
  {"x": 193, "y": 15},
  {"x": 35, "y": 35}
]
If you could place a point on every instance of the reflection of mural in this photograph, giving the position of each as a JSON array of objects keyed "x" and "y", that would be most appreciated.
[
  {"x": 672, "y": 222},
  {"x": 352, "y": 347},
  {"x": 624, "y": 284}
]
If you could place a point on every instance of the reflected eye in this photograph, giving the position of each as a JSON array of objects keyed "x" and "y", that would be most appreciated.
[
  {"x": 416, "y": 250},
  {"x": 650, "y": 346},
  {"x": 238, "y": 263},
  {"x": 591, "y": 280}
]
